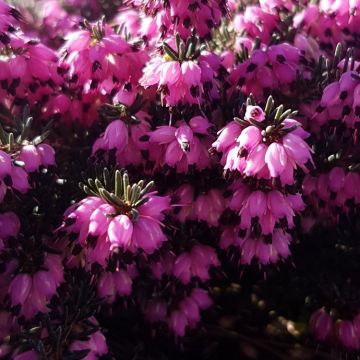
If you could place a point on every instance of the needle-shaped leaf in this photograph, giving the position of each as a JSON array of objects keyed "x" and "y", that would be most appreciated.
[
  {"x": 279, "y": 111},
  {"x": 98, "y": 185},
  {"x": 241, "y": 121},
  {"x": 11, "y": 141},
  {"x": 135, "y": 193},
  {"x": 116, "y": 200},
  {"x": 106, "y": 176},
  {"x": 105, "y": 195},
  {"x": 128, "y": 193},
  {"x": 125, "y": 184},
  {"x": 141, "y": 202},
  {"x": 91, "y": 183},
  {"x": 118, "y": 183},
  {"x": 147, "y": 188},
  {"x": 170, "y": 52},
  {"x": 269, "y": 105},
  {"x": 285, "y": 114}
]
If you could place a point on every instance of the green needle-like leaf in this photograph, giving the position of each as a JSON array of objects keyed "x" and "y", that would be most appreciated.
[
  {"x": 91, "y": 183},
  {"x": 147, "y": 188},
  {"x": 269, "y": 105},
  {"x": 118, "y": 183},
  {"x": 241, "y": 121},
  {"x": 279, "y": 111},
  {"x": 135, "y": 193},
  {"x": 125, "y": 184},
  {"x": 285, "y": 114},
  {"x": 128, "y": 193},
  {"x": 169, "y": 51},
  {"x": 116, "y": 200},
  {"x": 106, "y": 175},
  {"x": 141, "y": 184},
  {"x": 98, "y": 184},
  {"x": 11, "y": 141},
  {"x": 141, "y": 202},
  {"x": 105, "y": 195}
]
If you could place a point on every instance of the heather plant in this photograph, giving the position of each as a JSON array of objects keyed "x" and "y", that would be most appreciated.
[{"x": 179, "y": 179}]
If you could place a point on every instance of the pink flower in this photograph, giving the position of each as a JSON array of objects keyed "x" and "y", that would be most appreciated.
[
  {"x": 19, "y": 179},
  {"x": 190, "y": 309},
  {"x": 346, "y": 334},
  {"x": 254, "y": 113},
  {"x": 148, "y": 234},
  {"x": 182, "y": 268},
  {"x": 274, "y": 67},
  {"x": 209, "y": 207},
  {"x": 34, "y": 291},
  {"x": 123, "y": 283},
  {"x": 185, "y": 198},
  {"x": 297, "y": 149},
  {"x": 257, "y": 22},
  {"x": 34, "y": 304},
  {"x": 178, "y": 322},
  {"x": 124, "y": 135},
  {"x": 9, "y": 225},
  {"x": 249, "y": 138},
  {"x": 120, "y": 231},
  {"x": 5, "y": 164},
  {"x": 321, "y": 324},
  {"x": 98, "y": 53},
  {"x": 181, "y": 82},
  {"x": 191, "y": 73},
  {"x": 276, "y": 159},
  {"x": 30, "y": 61},
  {"x": 266, "y": 209},
  {"x": 20, "y": 288},
  {"x": 356, "y": 323},
  {"x": 336, "y": 179},
  {"x": 182, "y": 145},
  {"x": 182, "y": 17},
  {"x": 268, "y": 148},
  {"x": 196, "y": 263},
  {"x": 110, "y": 221},
  {"x": 265, "y": 250},
  {"x": 227, "y": 136},
  {"x": 170, "y": 73},
  {"x": 30, "y": 156},
  {"x": 45, "y": 283},
  {"x": 36, "y": 156},
  {"x": 255, "y": 161},
  {"x": 202, "y": 298},
  {"x": 96, "y": 344},
  {"x": 266, "y": 253},
  {"x": 116, "y": 135},
  {"x": 99, "y": 220},
  {"x": 199, "y": 125},
  {"x": 184, "y": 136},
  {"x": 131, "y": 19},
  {"x": 55, "y": 267},
  {"x": 47, "y": 154},
  {"x": 106, "y": 287},
  {"x": 155, "y": 207}
]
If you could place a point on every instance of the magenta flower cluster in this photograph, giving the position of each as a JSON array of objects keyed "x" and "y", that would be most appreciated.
[{"x": 218, "y": 132}]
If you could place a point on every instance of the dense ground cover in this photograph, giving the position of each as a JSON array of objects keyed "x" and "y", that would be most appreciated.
[{"x": 179, "y": 179}]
